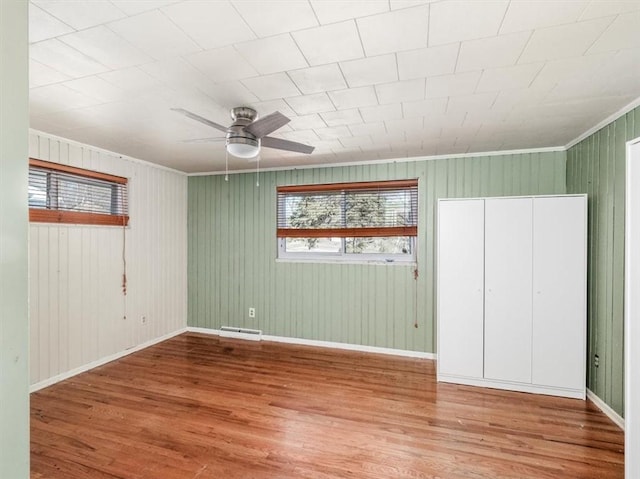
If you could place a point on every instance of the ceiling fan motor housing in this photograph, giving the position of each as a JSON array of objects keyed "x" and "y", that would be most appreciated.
[{"x": 236, "y": 134}]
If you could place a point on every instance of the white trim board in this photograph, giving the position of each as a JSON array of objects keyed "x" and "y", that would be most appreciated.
[
  {"x": 606, "y": 409},
  {"x": 329, "y": 344},
  {"x": 107, "y": 359}
]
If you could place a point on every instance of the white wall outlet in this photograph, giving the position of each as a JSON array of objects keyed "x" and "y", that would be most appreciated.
[
  {"x": 143, "y": 319},
  {"x": 252, "y": 312}
]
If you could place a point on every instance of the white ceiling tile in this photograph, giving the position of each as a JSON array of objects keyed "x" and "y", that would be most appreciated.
[
  {"x": 271, "y": 87},
  {"x": 133, "y": 7},
  {"x": 583, "y": 67},
  {"x": 176, "y": 72},
  {"x": 362, "y": 129},
  {"x": 531, "y": 14},
  {"x": 396, "y": 92},
  {"x": 306, "y": 122},
  {"x": 40, "y": 75},
  {"x": 317, "y": 103},
  {"x": 412, "y": 125},
  {"x": 432, "y": 106},
  {"x": 210, "y": 24},
  {"x": 104, "y": 46},
  {"x": 332, "y": 133},
  {"x": 330, "y": 43},
  {"x": 266, "y": 107},
  {"x": 97, "y": 88},
  {"x": 58, "y": 97},
  {"x": 563, "y": 41},
  {"x": 222, "y": 64},
  {"x": 354, "y": 97},
  {"x": 317, "y": 79},
  {"x": 43, "y": 26},
  {"x": 370, "y": 71},
  {"x": 398, "y": 4},
  {"x": 451, "y": 85},
  {"x": 64, "y": 59},
  {"x": 599, "y": 8},
  {"x": 475, "y": 102},
  {"x": 132, "y": 80},
  {"x": 500, "y": 51},
  {"x": 426, "y": 62},
  {"x": 230, "y": 94},
  {"x": 508, "y": 100},
  {"x": 273, "y": 54},
  {"x": 301, "y": 136},
  {"x": 623, "y": 33},
  {"x": 153, "y": 33},
  {"x": 506, "y": 78},
  {"x": 356, "y": 141},
  {"x": 342, "y": 117},
  {"x": 276, "y": 16},
  {"x": 381, "y": 113},
  {"x": 403, "y": 30},
  {"x": 332, "y": 12},
  {"x": 80, "y": 15},
  {"x": 457, "y": 20}
]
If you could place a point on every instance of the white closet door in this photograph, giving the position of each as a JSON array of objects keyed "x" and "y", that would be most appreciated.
[
  {"x": 460, "y": 287},
  {"x": 508, "y": 282},
  {"x": 559, "y": 292}
]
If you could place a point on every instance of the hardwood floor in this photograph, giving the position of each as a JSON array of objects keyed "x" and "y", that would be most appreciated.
[{"x": 202, "y": 407}]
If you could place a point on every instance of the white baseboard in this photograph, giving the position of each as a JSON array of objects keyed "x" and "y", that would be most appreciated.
[
  {"x": 330, "y": 344},
  {"x": 99, "y": 362},
  {"x": 606, "y": 409}
]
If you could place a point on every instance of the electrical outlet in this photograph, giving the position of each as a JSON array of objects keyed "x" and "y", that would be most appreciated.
[
  {"x": 596, "y": 361},
  {"x": 252, "y": 312},
  {"x": 143, "y": 319}
]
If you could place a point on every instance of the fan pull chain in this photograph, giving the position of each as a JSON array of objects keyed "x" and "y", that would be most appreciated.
[{"x": 226, "y": 165}]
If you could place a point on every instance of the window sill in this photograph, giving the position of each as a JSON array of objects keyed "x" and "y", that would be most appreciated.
[{"x": 372, "y": 262}]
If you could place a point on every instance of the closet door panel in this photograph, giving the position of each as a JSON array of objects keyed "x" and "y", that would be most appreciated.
[
  {"x": 559, "y": 292},
  {"x": 460, "y": 272},
  {"x": 508, "y": 284}
]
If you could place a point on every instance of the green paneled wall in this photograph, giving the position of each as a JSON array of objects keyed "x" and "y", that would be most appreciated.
[
  {"x": 596, "y": 166},
  {"x": 232, "y": 252}
]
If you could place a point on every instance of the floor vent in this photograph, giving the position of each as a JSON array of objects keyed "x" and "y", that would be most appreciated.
[{"x": 241, "y": 333}]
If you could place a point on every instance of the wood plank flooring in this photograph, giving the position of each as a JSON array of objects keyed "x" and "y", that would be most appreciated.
[{"x": 202, "y": 407}]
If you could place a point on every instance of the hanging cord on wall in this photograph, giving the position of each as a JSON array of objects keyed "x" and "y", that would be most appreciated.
[
  {"x": 415, "y": 298},
  {"x": 124, "y": 248}
]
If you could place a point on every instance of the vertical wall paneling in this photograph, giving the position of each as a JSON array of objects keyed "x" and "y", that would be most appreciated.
[
  {"x": 232, "y": 252},
  {"x": 596, "y": 166},
  {"x": 78, "y": 311}
]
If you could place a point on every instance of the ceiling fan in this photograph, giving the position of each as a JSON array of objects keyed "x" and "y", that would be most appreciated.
[{"x": 247, "y": 133}]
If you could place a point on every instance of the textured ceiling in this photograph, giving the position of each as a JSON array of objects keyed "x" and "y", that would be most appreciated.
[{"x": 360, "y": 80}]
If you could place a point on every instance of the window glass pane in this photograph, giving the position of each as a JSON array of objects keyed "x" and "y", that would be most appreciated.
[
  {"x": 37, "y": 189},
  {"x": 78, "y": 195},
  {"x": 378, "y": 208},
  {"x": 313, "y": 245},
  {"x": 313, "y": 211},
  {"x": 391, "y": 245}
]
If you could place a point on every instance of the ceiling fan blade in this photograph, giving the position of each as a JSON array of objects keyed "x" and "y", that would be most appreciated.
[
  {"x": 193, "y": 116},
  {"x": 204, "y": 140},
  {"x": 267, "y": 124},
  {"x": 280, "y": 144}
]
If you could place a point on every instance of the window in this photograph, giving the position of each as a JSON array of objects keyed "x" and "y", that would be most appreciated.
[
  {"x": 65, "y": 194},
  {"x": 348, "y": 221}
]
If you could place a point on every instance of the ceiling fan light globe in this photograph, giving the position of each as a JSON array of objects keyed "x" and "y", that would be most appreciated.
[{"x": 242, "y": 149}]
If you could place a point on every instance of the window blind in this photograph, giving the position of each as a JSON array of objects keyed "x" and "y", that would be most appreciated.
[
  {"x": 368, "y": 209},
  {"x": 64, "y": 194}
]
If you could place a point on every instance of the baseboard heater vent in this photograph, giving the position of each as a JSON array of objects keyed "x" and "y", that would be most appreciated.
[{"x": 241, "y": 333}]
